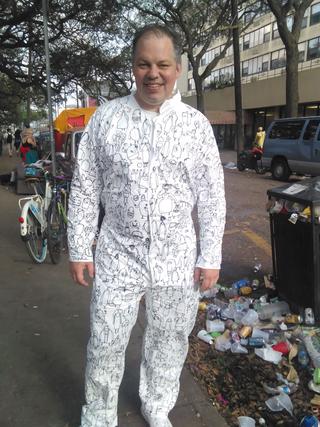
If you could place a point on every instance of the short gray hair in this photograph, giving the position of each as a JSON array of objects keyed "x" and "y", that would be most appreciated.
[{"x": 159, "y": 31}]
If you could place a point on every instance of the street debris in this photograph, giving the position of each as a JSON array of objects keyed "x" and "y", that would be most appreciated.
[
  {"x": 256, "y": 359},
  {"x": 230, "y": 165}
]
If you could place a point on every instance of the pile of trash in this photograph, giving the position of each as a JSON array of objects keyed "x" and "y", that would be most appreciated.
[{"x": 238, "y": 324}]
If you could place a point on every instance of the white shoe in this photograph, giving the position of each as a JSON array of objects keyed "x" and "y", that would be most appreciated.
[{"x": 156, "y": 420}]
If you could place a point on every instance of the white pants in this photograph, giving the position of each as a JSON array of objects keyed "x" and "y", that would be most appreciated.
[
  {"x": 9, "y": 148},
  {"x": 170, "y": 313}
]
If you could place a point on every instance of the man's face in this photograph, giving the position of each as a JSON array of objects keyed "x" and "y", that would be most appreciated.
[{"x": 155, "y": 70}]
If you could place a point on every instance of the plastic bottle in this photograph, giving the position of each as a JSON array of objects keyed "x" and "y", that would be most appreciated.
[
  {"x": 274, "y": 309},
  {"x": 312, "y": 346},
  {"x": 204, "y": 336},
  {"x": 212, "y": 311},
  {"x": 303, "y": 357}
]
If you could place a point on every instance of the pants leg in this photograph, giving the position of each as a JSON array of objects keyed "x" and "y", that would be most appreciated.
[
  {"x": 114, "y": 310},
  {"x": 171, "y": 313}
]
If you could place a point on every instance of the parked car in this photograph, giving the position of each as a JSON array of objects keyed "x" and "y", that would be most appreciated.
[{"x": 292, "y": 146}]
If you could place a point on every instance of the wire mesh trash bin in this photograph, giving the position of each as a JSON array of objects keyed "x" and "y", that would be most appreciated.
[{"x": 295, "y": 238}]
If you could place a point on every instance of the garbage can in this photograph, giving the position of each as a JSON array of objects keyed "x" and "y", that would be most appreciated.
[{"x": 295, "y": 238}]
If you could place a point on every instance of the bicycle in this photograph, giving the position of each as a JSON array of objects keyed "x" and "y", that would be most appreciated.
[
  {"x": 33, "y": 218},
  {"x": 57, "y": 220},
  {"x": 43, "y": 220}
]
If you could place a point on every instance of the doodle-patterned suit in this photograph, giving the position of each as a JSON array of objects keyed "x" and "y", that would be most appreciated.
[{"x": 148, "y": 170}]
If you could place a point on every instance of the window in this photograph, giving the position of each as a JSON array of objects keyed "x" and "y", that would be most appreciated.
[
  {"x": 266, "y": 36},
  {"x": 305, "y": 19},
  {"x": 255, "y": 65},
  {"x": 229, "y": 51},
  {"x": 313, "y": 49},
  {"x": 246, "y": 41},
  {"x": 226, "y": 73},
  {"x": 256, "y": 37},
  {"x": 278, "y": 59},
  {"x": 265, "y": 63},
  {"x": 191, "y": 85},
  {"x": 302, "y": 51},
  {"x": 216, "y": 52},
  {"x": 290, "y": 22},
  {"x": 290, "y": 129},
  {"x": 315, "y": 14},
  {"x": 275, "y": 32},
  {"x": 311, "y": 130},
  {"x": 245, "y": 68}
]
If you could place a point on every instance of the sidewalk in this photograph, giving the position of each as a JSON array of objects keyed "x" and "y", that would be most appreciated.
[
  {"x": 45, "y": 321},
  {"x": 228, "y": 156}
]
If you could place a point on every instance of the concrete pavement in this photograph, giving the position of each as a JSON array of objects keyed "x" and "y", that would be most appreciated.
[{"x": 44, "y": 322}]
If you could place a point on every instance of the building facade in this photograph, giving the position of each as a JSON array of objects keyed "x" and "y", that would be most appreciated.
[{"x": 263, "y": 61}]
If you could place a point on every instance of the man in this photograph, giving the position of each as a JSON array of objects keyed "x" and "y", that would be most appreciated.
[{"x": 150, "y": 159}]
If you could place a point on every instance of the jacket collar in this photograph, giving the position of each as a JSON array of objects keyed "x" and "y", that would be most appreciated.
[{"x": 168, "y": 104}]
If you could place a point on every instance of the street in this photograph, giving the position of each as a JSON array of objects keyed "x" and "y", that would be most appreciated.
[{"x": 45, "y": 318}]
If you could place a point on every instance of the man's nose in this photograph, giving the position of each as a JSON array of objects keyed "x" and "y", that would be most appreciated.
[{"x": 153, "y": 72}]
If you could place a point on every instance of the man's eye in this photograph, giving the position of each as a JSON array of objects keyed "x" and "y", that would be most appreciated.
[
  {"x": 143, "y": 65},
  {"x": 164, "y": 65}
]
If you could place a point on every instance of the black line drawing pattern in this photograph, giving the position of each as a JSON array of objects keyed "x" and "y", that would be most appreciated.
[{"x": 148, "y": 171}]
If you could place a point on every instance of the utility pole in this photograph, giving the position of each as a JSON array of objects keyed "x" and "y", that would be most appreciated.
[
  {"x": 46, "y": 46},
  {"x": 28, "y": 118},
  {"x": 237, "y": 77}
]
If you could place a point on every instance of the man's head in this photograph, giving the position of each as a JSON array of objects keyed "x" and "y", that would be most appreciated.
[
  {"x": 260, "y": 129},
  {"x": 156, "y": 56}
]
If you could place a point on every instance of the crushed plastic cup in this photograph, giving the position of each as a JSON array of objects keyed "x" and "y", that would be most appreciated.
[
  {"x": 236, "y": 347},
  {"x": 258, "y": 333},
  {"x": 280, "y": 402},
  {"x": 246, "y": 422},
  {"x": 215, "y": 325},
  {"x": 250, "y": 318}
]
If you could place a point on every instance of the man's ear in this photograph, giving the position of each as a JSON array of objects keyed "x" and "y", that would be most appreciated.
[{"x": 178, "y": 69}]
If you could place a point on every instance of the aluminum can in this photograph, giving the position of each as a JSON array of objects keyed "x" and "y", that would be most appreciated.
[
  {"x": 245, "y": 331},
  {"x": 309, "y": 316},
  {"x": 293, "y": 319}
]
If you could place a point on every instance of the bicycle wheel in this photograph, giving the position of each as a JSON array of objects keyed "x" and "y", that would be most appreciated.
[
  {"x": 35, "y": 241},
  {"x": 55, "y": 232}
]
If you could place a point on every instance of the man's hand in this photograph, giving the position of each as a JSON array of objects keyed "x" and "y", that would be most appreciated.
[
  {"x": 209, "y": 277},
  {"x": 77, "y": 270}
]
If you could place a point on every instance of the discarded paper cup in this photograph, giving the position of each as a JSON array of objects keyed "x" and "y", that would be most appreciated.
[{"x": 246, "y": 422}]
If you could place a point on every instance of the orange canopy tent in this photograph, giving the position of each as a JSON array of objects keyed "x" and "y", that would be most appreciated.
[
  {"x": 73, "y": 117},
  {"x": 69, "y": 119}
]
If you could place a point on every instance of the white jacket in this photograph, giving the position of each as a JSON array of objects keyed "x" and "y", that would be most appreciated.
[{"x": 149, "y": 171}]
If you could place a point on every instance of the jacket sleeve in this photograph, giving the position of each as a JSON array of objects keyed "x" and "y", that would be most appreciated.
[
  {"x": 85, "y": 193},
  {"x": 211, "y": 204}
]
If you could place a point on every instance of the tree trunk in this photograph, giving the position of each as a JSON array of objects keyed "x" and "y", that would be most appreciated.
[
  {"x": 292, "y": 89},
  {"x": 237, "y": 78},
  {"x": 199, "y": 92}
]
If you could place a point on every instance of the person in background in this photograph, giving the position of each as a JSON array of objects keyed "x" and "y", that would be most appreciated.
[
  {"x": 17, "y": 141},
  {"x": 9, "y": 142},
  {"x": 1, "y": 141},
  {"x": 259, "y": 138},
  {"x": 28, "y": 148},
  {"x": 150, "y": 159}
]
